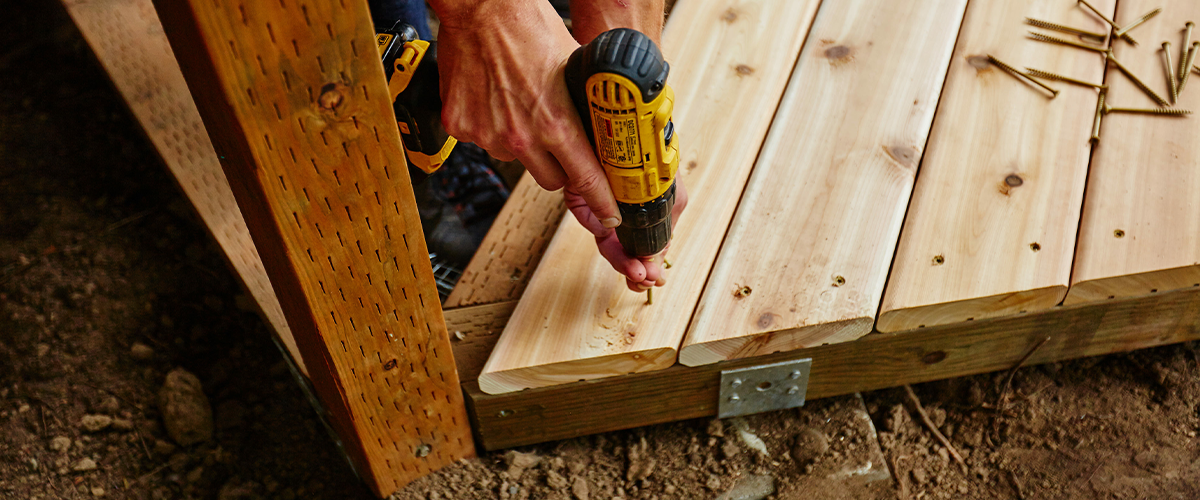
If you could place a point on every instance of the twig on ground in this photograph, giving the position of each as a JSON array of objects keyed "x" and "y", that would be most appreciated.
[
  {"x": 912, "y": 397},
  {"x": 1016, "y": 483},
  {"x": 1002, "y": 399}
]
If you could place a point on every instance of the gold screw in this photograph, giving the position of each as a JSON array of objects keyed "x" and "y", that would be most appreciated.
[
  {"x": 650, "y": 296},
  {"x": 1184, "y": 51},
  {"x": 1054, "y": 76},
  {"x": 1191, "y": 60},
  {"x": 1050, "y": 39},
  {"x": 1115, "y": 26},
  {"x": 1099, "y": 116},
  {"x": 1137, "y": 81},
  {"x": 1172, "y": 85},
  {"x": 1148, "y": 111},
  {"x": 1021, "y": 76},
  {"x": 1065, "y": 29},
  {"x": 1139, "y": 22}
]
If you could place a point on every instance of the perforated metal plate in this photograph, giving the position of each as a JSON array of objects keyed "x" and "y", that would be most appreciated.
[{"x": 756, "y": 389}]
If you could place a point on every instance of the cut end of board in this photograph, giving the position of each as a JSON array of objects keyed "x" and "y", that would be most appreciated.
[
  {"x": 1134, "y": 285},
  {"x": 1038, "y": 299},
  {"x": 576, "y": 370},
  {"x": 771, "y": 342}
]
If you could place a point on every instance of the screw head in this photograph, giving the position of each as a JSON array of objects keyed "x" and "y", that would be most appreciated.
[
  {"x": 793, "y": 390},
  {"x": 795, "y": 374},
  {"x": 735, "y": 399},
  {"x": 736, "y": 382},
  {"x": 423, "y": 451}
]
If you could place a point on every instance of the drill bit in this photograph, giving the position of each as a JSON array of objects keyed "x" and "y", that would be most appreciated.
[
  {"x": 1051, "y": 39},
  {"x": 1065, "y": 29},
  {"x": 1137, "y": 81},
  {"x": 1172, "y": 85},
  {"x": 1054, "y": 76},
  {"x": 1021, "y": 76},
  {"x": 1110, "y": 22}
]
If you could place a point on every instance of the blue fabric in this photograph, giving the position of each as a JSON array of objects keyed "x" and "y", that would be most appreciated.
[{"x": 385, "y": 13}]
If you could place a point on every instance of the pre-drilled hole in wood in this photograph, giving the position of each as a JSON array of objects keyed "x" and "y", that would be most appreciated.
[
  {"x": 1035, "y": 246},
  {"x": 1120, "y": 233},
  {"x": 938, "y": 260}
]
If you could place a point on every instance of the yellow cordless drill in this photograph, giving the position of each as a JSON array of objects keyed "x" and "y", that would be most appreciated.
[
  {"x": 618, "y": 83},
  {"x": 411, "y": 68}
]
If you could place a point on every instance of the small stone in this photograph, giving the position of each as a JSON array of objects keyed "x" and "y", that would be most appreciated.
[
  {"x": 810, "y": 445},
  {"x": 195, "y": 474},
  {"x": 185, "y": 409},
  {"x": 110, "y": 406},
  {"x": 85, "y": 464},
  {"x": 33, "y": 464},
  {"x": 141, "y": 352},
  {"x": 43, "y": 350},
  {"x": 669, "y": 489},
  {"x": 60, "y": 443},
  {"x": 751, "y": 487},
  {"x": 729, "y": 449},
  {"x": 98, "y": 491},
  {"x": 518, "y": 462},
  {"x": 716, "y": 428},
  {"x": 556, "y": 480},
  {"x": 95, "y": 423},
  {"x": 713, "y": 482},
  {"x": 918, "y": 475},
  {"x": 579, "y": 488},
  {"x": 122, "y": 424}
]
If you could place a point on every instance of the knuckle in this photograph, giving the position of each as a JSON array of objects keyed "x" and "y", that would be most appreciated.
[
  {"x": 517, "y": 142},
  {"x": 589, "y": 182}
]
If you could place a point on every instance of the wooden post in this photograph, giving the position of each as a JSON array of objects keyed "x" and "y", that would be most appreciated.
[{"x": 294, "y": 99}]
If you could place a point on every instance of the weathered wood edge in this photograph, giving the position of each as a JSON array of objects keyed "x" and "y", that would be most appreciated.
[{"x": 874, "y": 362}]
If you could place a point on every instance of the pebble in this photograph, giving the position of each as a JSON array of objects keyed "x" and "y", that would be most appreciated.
[
  {"x": 556, "y": 480},
  {"x": 713, "y": 482},
  {"x": 141, "y": 352},
  {"x": 163, "y": 448},
  {"x": 751, "y": 487},
  {"x": 85, "y": 464},
  {"x": 579, "y": 488},
  {"x": 122, "y": 424},
  {"x": 43, "y": 350},
  {"x": 716, "y": 428},
  {"x": 185, "y": 409},
  {"x": 919, "y": 476},
  {"x": 810, "y": 445},
  {"x": 110, "y": 406},
  {"x": 95, "y": 423},
  {"x": 98, "y": 491},
  {"x": 60, "y": 443},
  {"x": 518, "y": 462}
]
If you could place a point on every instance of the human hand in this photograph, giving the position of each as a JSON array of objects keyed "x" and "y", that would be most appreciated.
[{"x": 501, "y": 66}]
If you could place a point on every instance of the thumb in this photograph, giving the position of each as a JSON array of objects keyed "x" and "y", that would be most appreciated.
[{"x": 587, "y": 179}]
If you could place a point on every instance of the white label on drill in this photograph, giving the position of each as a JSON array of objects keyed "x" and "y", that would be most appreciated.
[{"x": 617, "y": 138}]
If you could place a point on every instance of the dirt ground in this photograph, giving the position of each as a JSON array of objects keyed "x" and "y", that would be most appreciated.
[{"x": 108, "y": 283}]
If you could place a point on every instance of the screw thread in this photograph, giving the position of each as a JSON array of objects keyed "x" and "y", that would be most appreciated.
[
  {"x": 1021, "y": 76},
  {"x": 1150, "y": 111},
  {"x": 1138, "y": 81},
  {"x": 1054, "y": 76},
  {"x": 1172, "y": 84},
  {"x": 1063, "y": 29},
  {"x": 1052, "y": 39}
]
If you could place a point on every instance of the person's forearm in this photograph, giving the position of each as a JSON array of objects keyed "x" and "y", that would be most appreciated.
[
  {"x": 590, "y": 18},
  {"x": 464, "y": 14}
]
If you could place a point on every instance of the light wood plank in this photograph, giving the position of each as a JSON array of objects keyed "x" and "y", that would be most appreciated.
[
  {"x": 730, "y": 61},
  {"x": 1145, "y": 177},
  {"x": 129, "y": 42},
  {"x": 814, "y": 235},
  {"x": 991, "y": 227},
  {"x": 514, "y": 245},
  {"x": 294, "y": 99},
  {"x": 873, "y": 362},
  {"x": 473, "y": 333}
]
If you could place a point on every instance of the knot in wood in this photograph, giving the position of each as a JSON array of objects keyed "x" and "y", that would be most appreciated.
[
  {"x": 838, "y": 52},
  {"x": 330, "y": 97},
  {"x": 743, "y": 70},
  {"x": 1014, "y": 180},
  {"x": 729, "y": 16}
]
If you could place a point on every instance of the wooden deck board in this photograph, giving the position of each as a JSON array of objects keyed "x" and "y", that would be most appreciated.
[
  {"x": 576, "y": 319},
  {"x": 814, "y": 234},
  {"x": 1145, "y": 177},
  {"x": 991, "y": 227},
  {"x": 873, "y": 362}
]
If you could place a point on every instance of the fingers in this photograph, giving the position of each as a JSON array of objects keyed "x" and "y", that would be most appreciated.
[
  {"x": 681, "y": 201},
  {"x": 545, "y": 169},
  {"x": 587, "y": 179},
  {"x": 583, "y": 213},
  {"x": 633, "y": 268}
]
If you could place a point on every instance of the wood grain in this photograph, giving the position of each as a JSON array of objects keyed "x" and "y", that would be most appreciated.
[
  {"x": 129, "y": 42},
  {"x": 873, "y": 362},
  {"x": 730, "y": 62},
  {"x": 1145, "y": 176},
  {"x": 514, "y": 245},
  {"x": 991, "y": 227},
  {"x": 294, "y": 99},
  {"x": 814, "y": 234}
]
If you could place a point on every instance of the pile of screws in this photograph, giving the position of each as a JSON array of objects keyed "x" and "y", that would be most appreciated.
[{"x": 1101, "y": 43}]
